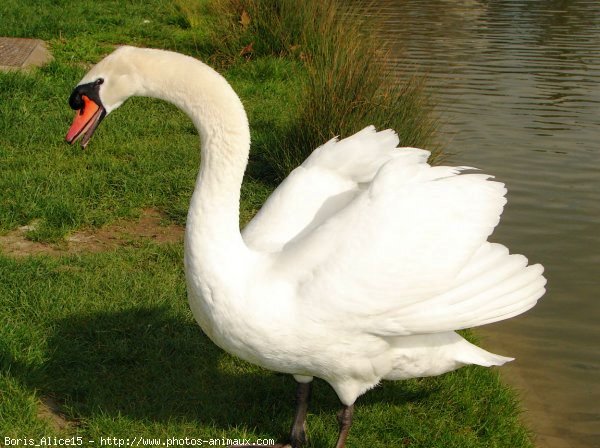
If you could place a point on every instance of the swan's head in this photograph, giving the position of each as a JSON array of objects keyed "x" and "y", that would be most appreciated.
[{"x": 103, "y": 89}]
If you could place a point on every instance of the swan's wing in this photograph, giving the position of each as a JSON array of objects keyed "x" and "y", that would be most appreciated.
[
  {"x": 410, "y": 255},
  {"x": 328, "y": 180}
]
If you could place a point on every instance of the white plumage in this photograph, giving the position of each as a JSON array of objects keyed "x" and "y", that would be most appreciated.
[
  {"x": 360, "y": 265},
  {"x": 382, "y": 246}
]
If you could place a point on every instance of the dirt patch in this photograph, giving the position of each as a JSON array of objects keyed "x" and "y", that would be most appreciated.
[
  {"x": 49, "y": 411},
  {"x": 150, "y": 226}
]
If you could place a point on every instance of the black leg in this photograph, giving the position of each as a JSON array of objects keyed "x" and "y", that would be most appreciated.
[
  {"x": 298, "y": 433},
  {"x": 345, "y": 420}
]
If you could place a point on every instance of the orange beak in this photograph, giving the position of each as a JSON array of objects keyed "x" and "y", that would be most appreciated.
[{"x": 86, "y": 120}]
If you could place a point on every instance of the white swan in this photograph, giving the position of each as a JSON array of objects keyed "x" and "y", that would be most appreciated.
[{"x": 360, "y": 265}]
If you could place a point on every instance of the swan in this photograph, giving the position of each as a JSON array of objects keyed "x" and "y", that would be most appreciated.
[{"x": 358, "y": 268}]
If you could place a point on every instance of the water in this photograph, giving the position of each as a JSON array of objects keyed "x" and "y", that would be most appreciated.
[{"x": 518, "y": 89}]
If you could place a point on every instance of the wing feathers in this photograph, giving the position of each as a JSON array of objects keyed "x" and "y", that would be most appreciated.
[
  {"x": 360, "y": 156},
  {"x": 329, "y": 179},
  {"x": 505, "y": 288},
  {"x": 368, "y": 233},
  {"x": 410, "y": 254}
]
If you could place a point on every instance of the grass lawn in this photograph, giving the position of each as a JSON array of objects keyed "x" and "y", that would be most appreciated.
[{"x": 102, "y": 344}]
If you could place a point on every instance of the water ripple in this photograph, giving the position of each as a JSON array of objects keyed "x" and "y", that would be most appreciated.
[{"x": 517, "y": 84}]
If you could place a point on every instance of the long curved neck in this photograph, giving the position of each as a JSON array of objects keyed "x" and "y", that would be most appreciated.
[{"x": 213, "y": 241}]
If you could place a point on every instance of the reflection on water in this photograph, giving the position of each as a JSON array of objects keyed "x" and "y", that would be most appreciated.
[{"x": 518, "y": 88}]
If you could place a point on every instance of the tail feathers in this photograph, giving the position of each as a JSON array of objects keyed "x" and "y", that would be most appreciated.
[
  {"x": 471, "y": 354},
  {"x": 433, "y": 354}
]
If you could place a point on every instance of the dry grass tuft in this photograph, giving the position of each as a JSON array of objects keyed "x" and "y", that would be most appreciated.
[{"x": 347, "y": 85}]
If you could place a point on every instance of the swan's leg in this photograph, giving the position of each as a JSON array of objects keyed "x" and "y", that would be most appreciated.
[
  {"x": 345, "y": 420},
  {"x": 298, "y": 433}
]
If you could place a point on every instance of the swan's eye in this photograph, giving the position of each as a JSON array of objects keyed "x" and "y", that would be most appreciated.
[
  {"x": 76, "y": 102},
  {"x": 90, "y": 90}
]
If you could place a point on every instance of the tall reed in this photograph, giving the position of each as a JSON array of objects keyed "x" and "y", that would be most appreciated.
[{"x": 347, "y": 84}]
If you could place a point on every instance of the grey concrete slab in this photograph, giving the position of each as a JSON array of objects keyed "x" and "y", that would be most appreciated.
[{"x": 20, "y": 54}]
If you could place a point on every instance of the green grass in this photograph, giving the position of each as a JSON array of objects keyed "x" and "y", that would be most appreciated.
[{"x": 110, "y": 336}]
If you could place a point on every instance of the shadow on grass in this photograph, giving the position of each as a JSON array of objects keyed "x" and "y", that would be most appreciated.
[{"x": 152, "y": 365}]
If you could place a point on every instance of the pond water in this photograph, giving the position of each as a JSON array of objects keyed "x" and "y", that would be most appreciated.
[{"x": 517, "y": 84}]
